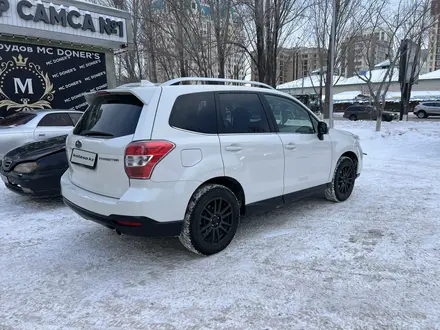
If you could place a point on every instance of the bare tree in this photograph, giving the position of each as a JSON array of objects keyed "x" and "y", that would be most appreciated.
[
  {"x": 396, "y": 23},
  {"x": 180, "y": 38},
  {"x": 418, "y": 28},
  {"x": 269, "y": 25},
  {"x": 321, "y": 14}
]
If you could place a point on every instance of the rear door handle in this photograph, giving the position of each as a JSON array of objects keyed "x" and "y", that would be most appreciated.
[
  {"x": 41, "y": 134},
  {"x": 233, "y": 148},
  {"x": 290, "y": 146}
]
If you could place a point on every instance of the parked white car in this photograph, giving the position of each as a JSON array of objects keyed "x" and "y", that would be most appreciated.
[
  {"x": 31, "y": 126},
  {"x": 427, "y": 109},
  {"x": 189, "y": 160}
]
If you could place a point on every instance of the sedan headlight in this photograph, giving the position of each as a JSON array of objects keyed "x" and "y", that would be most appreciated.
[{"x": 25, "y": 167}]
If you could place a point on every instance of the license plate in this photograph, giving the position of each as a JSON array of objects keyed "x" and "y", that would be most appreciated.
[
  {"x": 5, "y": 179},
  {"x": 84, "y": 158}
]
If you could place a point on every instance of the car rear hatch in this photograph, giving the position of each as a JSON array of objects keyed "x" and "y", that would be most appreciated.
[{"x": 96, "y": 149}]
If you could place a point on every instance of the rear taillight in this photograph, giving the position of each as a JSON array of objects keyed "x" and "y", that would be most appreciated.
[{"x": 141, "y": 157}]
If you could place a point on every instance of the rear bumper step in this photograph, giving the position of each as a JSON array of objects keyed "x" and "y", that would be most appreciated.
[{"x": 144, "y": 226}]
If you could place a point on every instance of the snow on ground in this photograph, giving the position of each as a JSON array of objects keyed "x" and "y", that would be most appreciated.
[{"x": 372, "y": 262}]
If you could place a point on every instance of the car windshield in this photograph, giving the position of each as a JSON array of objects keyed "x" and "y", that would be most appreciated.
[{"x": 17, "y": 119}]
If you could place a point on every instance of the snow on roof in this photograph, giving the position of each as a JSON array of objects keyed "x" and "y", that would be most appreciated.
[
  {"x": 358, "y": 97},
  {"x": 415, "y": 96},
  {"x": 351, "y": 96},
  {"x": 430, "y": 75},
  {"x": 375, "y": 76},
  {"x": 384, "y": 63},
  {"x": 307, "y": 82}
]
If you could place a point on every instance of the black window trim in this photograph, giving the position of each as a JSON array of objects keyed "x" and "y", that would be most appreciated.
[
  {"x": 189, "y": 131},
  {"x": 272, "y": 127},
  {"x": 56, "y": 113},
  {"x": 301, "y": 105}
]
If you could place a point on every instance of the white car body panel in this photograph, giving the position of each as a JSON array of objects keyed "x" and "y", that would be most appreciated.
[
  {"x": 161, "y": 201},
  {"x": 344, "y": 142},
  {"x": 308, "y": 161},
  {"x": 43, "y": 133},
  {"x": 109, "y": 177},
  {"x": 256, "y": 161}
]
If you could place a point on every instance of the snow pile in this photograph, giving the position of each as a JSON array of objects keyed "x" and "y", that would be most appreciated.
[
  {"x": 415, "y": 133},
  {"x": 371, "y": 262}
]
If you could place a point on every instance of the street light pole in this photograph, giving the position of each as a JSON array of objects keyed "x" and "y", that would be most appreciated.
[{"x": 332, "y": 64}]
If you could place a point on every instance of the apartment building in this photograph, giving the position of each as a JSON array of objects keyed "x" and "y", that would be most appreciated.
[
  {"x": 295, "y": 63},
  {"x": 364, "y": 51}
]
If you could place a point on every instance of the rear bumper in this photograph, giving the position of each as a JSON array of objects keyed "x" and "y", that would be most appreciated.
[
  {"x": 160, "y": 207},
  {"x": 145, "y": 227}
]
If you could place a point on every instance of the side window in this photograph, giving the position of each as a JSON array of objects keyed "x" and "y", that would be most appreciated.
[
  {"x": 55, "y": 119},
  {"x": 195, "y": 112},
  {"x": 242, "y": 113},
  {"x": 75, "y": 117},
  {"x": 290, "y": 116}
]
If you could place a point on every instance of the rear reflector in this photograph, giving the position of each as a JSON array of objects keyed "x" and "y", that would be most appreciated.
[
  {"x": 129, "y": 223},
  {"x": 141, "y": 157}
]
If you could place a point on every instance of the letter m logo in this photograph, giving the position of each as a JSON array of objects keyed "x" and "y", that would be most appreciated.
[{"x": 18, "y": 84}]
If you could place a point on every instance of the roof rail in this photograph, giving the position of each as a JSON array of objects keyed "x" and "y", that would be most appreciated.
[
  {"x": 218, "y": 80},
  {"x": 142, "y": 83}
]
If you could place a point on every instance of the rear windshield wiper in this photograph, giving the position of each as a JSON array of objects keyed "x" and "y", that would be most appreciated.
[{"x": 96, "y": 133}]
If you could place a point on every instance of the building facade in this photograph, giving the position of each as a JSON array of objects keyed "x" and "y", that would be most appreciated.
[
  {"x": 295, "y": 63},
  {"x": 363, "y": 52}
]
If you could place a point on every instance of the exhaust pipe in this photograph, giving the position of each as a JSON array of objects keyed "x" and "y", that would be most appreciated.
[{"x": 118, "y": 232}]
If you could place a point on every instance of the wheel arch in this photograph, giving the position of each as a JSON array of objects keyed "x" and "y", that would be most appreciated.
[
  {"x": 352, "y": 155},
  {"x": 231, "y": 184}
]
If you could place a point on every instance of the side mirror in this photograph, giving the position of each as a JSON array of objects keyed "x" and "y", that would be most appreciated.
[{"x": 322, "y": 130}]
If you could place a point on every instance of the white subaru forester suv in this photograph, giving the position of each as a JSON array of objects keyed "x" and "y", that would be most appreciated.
[{"x": 188, "y": 159}]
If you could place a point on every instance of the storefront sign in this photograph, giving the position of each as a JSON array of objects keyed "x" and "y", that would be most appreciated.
[
  {"x": 57, "y": 21},
  {"x": 59, "y": 16},
  {"x": 38, "y": 77}
]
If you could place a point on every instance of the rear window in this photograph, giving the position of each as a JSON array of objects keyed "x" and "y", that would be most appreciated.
[
  {"x": 55, "y": 119},
  {"x": 195, "y": 112},
  {"x": 17, "y": 119},
  {"x": 110, "y": 116},
  {"x": 75, "y": 117}
]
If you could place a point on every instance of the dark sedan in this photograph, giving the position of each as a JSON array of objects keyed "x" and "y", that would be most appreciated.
[
  {"x": 36, "y": 168},
  {"x": 367, "y": 112}
]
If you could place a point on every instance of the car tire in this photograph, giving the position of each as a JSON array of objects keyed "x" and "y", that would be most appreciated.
[
  {"x": 343, "y": 181},
  {"x": 211, "y": 220},
  {"x": 421, "y": 114},
  {"x": 353, "y": 117}
]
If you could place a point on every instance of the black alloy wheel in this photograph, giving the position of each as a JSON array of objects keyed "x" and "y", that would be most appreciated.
[
  {"x": 353, "y": 118},
  {"x": 211, "y": 220},
  {"x": 215, "y": 221},
  {"x": 344, "y": 181}
]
